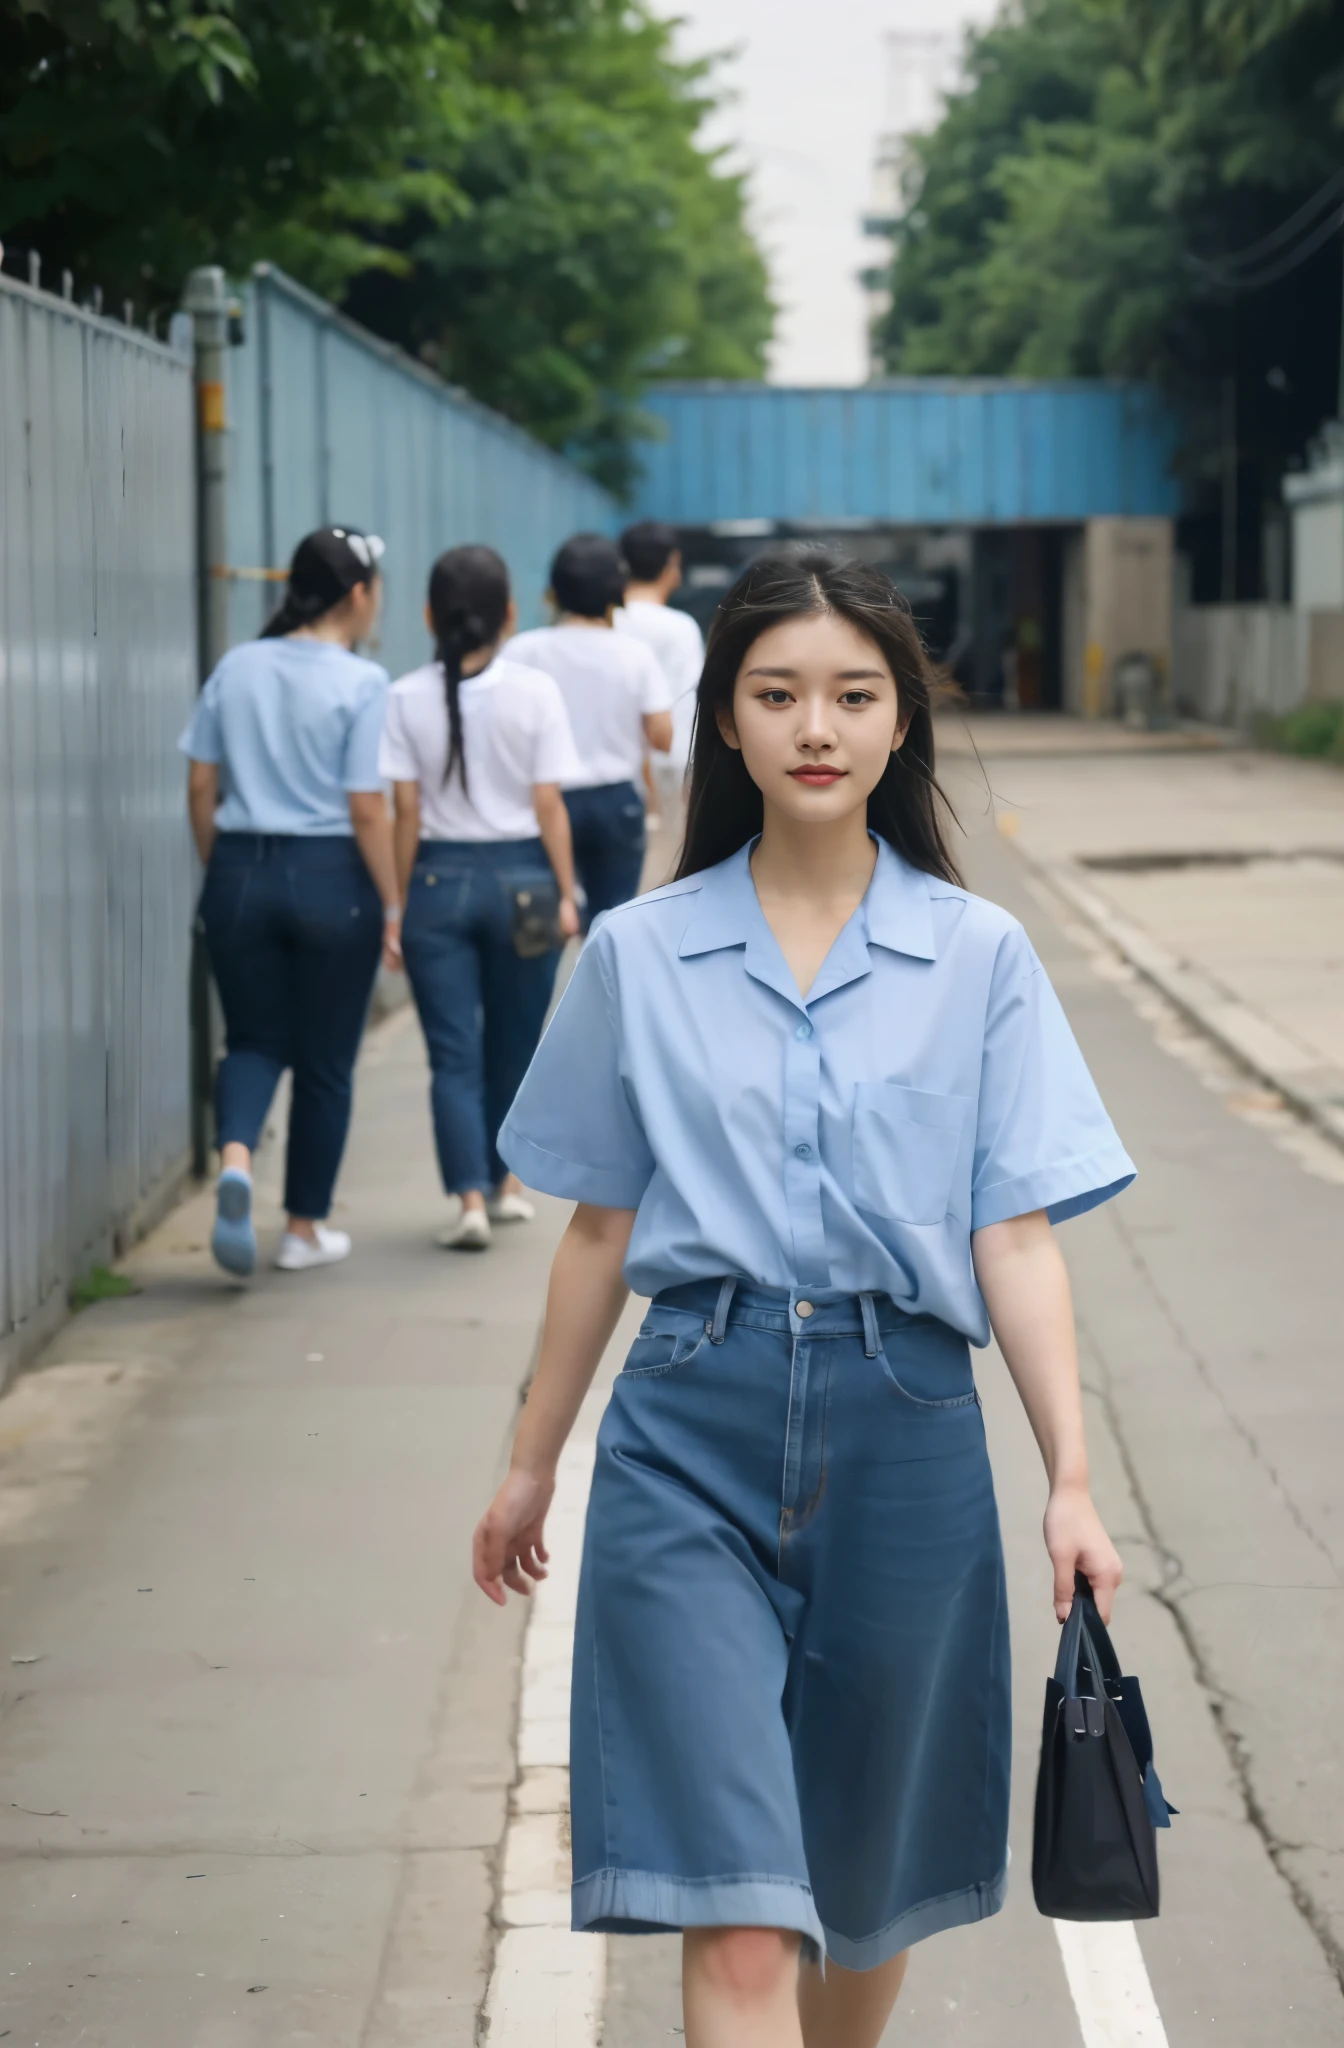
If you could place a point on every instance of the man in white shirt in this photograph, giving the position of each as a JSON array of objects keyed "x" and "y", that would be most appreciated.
[
  {"x": 654, "y": 562},
  {"x": 619, "y": 704}
]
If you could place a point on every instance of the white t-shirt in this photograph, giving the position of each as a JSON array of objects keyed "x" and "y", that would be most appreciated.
[
  {"x": 679, "y": 645},
  {"x": 609, "y": 683},
  {"x": 514, "y": 734}
]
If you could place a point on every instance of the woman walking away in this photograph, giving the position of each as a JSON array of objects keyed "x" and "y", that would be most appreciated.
[
  {"x": 653, "y": 562},
  {"x": 619, "y": 705},
  {"x": 476, "y": 748},
  {"x": 823, "y": 1106},
  {"x": 298, "y": 854}
]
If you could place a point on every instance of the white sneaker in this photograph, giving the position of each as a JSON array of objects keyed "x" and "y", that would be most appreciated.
[
  {"x": 468, "y": 1232},
  {"x": 511, "y": 1208},
  {"x": 296, "y": 1254}
]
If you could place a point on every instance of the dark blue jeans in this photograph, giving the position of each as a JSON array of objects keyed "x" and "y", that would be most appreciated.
[
  {"x": 294, "y": 930},
  {"x": 609, "y": 838},
  {"x": 481, "y": 1007}
]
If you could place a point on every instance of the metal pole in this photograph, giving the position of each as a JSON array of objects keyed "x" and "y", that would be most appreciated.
[
  {"x": 1228, "y": 579},
  {"x": 1341, "y": 331},
  {"x": 206, "y": 301}
]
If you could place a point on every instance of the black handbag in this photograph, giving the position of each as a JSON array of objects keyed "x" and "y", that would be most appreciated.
[{"x": 1098, "y": 1800}]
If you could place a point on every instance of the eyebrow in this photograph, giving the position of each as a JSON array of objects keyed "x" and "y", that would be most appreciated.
[{"x": 843, "y": 675}]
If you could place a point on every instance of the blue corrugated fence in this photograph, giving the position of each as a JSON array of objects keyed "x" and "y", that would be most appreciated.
[
  {"x": 915, "y": 451},
  {"x": 328, "y": 423}
]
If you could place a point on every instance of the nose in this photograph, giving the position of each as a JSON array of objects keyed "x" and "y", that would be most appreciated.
[{"x": 816, "y": 731}]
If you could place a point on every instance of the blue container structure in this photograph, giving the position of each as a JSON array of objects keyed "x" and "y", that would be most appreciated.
[
  {"x": 328, "y": 423},
  {"x": 914, "y": 451}
]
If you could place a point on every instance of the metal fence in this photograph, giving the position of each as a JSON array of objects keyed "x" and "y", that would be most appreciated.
[
  {"x": 938, "y": 451},
  {"x": 326, "y": 422},
  {"x": 97, "y": 676}
]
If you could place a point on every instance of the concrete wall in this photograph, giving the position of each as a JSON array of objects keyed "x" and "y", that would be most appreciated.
[
  {"x": 1318, "y": 555},
  {"x": 1237, "y": 663},
  {"x": 1127, "y": 606}
]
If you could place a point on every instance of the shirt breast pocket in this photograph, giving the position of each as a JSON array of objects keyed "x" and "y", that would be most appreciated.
[{"x": 906, "y": 1146}]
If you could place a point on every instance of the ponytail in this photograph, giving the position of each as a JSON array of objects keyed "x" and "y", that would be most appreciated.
[
  {"x": 297, "y": 608},
  {"x": 468, "y": 603},
  {"x": 325, "y": 567},
  {"x": 457, "y": 636}
]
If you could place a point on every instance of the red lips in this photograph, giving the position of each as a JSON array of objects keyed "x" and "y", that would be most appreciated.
[{"x": 817, "y": 778}]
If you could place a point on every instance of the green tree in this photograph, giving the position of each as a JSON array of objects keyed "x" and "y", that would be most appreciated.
[
  {"x": 598, "y": 247},
  {"x": 514, "y": 191},
  {"x": 1071, "y": 212}
]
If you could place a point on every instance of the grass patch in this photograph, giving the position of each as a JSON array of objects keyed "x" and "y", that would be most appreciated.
[
  {"x": 1315, "y": 731},
  {"x": 100, "y": 1283}
]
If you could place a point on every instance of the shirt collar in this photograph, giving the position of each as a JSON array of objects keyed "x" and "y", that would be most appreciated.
[{"x": 894, "y": 914}]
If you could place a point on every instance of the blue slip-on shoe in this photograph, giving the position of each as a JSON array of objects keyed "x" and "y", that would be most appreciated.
[{"x": 234, "y": 1241}]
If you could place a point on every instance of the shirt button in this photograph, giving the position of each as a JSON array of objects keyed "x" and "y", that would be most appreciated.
[
  {"x": 803, "y": 1031},
  {"x": 803, "y": 1308},
  {"x": 803, "y": 1151}
]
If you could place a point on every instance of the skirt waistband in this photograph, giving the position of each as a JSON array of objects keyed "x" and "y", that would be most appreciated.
[{"x": 797, "y": 1311}]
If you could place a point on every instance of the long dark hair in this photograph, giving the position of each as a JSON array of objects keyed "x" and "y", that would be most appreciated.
[
  {"x": 724, "y": 808},
  {"x": 325, "y": 567},
  {"x": 468, "y": 602}
]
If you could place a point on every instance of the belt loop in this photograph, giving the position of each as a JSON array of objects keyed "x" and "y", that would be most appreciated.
[
  {"x": 718, "y": 1329},
  {"x": 868, "y": 1306}
]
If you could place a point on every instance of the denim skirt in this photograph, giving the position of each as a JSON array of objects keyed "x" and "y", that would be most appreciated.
[{"x": 790, "y": 1703}]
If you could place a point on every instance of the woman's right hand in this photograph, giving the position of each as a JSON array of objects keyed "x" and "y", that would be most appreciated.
[
  {"x": 570, "y": 925},
  {"x": 509, "y": 1547}
]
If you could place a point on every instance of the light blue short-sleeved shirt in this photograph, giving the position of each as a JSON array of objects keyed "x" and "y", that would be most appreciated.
[
  {"x": 294, "y": 726},
  {"x": 928, "y": 1085}
]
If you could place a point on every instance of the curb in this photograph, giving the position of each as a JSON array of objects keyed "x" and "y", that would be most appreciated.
[{"x": 1316, "y": 1092}]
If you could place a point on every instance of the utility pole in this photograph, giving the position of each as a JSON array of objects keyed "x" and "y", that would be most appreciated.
[
  {"x": 1228, "y": 577},
  {"x": 207, "y": 302}
]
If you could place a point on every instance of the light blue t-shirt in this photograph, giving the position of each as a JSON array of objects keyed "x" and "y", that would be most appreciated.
[
  {"x": 294, "y": 726},
  {"x": 927, "y": 1086}
]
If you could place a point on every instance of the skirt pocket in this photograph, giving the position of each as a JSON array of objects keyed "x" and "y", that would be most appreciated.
[
  {"x": 929, "y": 1367},
  {"x": 668, "y": 1339}
]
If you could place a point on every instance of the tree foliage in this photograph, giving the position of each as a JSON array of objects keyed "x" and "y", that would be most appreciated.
[
  {"x": 511, "y": 187},
  {"x": 596, "y": 247},
  {"x": 1071, "y": 212}
]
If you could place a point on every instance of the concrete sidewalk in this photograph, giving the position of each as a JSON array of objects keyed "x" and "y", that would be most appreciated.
[
  {"x": 1217, "y": 871},
  {"x": 256, "y": 1732}
]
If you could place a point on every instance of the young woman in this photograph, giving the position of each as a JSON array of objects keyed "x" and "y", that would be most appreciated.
[
  {"x": 619, "y": 706},
  {"x": 300, "y": 892},
  {"x": 823, "y": 1106},
  {"x": 476, "y": 748}
]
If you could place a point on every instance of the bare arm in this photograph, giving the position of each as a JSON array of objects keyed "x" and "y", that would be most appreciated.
[
  {"x": 583, "y": 1306},
  {"x": 1026, "y": 1287},
  {"x": 405, "y": 831},
  {"x": 658, "y": 731},
  {"x": 372, "y": 825},
  {"x": 202, "y": 803},
  {"x": 553, "y": 823}
]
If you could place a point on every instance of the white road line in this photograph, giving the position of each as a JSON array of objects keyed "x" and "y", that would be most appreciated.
[
  {"x": 547, "y": 1986},
  {"x": 1109, "y": 1983}
]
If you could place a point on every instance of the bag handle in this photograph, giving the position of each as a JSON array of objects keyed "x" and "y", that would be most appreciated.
[{"x": 1084, "y": 1641}]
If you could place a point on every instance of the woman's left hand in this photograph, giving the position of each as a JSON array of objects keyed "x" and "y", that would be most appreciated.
[
  {"x": 1077, "y": 1542},
  {"x": 569, "y": 918},
  {"x": 392, "y": 959}
]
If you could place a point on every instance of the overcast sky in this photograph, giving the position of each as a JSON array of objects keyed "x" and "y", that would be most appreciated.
[{"x": 816, "y": 85}]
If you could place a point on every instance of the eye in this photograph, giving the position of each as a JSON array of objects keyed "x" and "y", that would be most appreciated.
[
  {"x": 859, "y": 697},
  {"x": 775, "y": 696}
]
